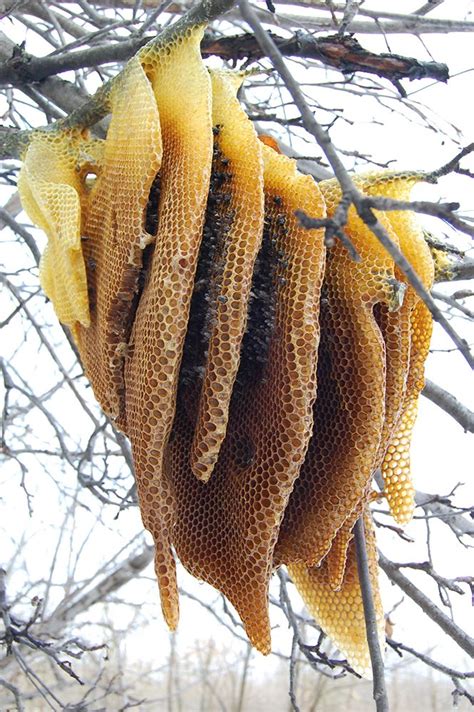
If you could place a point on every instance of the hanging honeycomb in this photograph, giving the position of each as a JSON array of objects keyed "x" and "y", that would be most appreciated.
[
  {"x": 114, "y": 234},
  {"x": 224, "y": 531},
  {"x": 341, "y": 613},
  {"x": 235, "y": 212},
  {"x": 50, "y": 190},
  {"x": 399, "y": 488},
  {"x": 260, "y": 380},
  {"x": 350, "y": 407}
]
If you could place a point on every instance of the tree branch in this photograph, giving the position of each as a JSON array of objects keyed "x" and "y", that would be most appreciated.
[
  {"x": 459, "y": 524},
  {"x": 429, "y": 661},
  {"x": 341, "y": 52},
  {"x": 450, "y": 405},
  {"x": 124, "y": 573},
  {"x": 379, "y": 688},
  {"x": 96, "y": 107},
  {"x": 446, "y": 624},
  {"x": 378, "y": 22},
  {"x": 464, "y": 269}
]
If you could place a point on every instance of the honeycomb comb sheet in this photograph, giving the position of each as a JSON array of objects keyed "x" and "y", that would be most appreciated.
[
  {"x": 349, "y": 410},
  {"x": 402, "y": 358},
  {"x": 341, "y": 613},
  {"x": 224, "y": 531},
  {"x": 335, "y": 560},
  {"x": 182, "y": 89},
  {"x": 50, "y": 188},
  {"x": 396, "y": 332},
  {"x": 394, "y": 321},
  {"x": 399, "y": 488},
  {"x": 238, "y": 174},
  {"x": 396, "y": 470},
  {"x": 115, "y": 234}
]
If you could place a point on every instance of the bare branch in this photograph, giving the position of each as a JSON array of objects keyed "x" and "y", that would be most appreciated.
[
  {"x": 447, "y": 402},
  {"x": 429, "y": 661},
  {"x": 464, "y": 269},
  {"x": 439, "y": 507},
  {"x": 125, "y": 572},
  {"x": 15, "y": 692},
  {"x": 7, "y": 219},
  {"x": 343, "y": 53},
  {"x": 379, "y": 688},
  {"x": 421, "y": 599}
]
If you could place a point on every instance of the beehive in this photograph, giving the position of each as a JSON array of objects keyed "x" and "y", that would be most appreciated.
[
  {"x": 237, "y": 201},
  {"x": 260, "y": 383},
  {"x": 115, "y": 236}
]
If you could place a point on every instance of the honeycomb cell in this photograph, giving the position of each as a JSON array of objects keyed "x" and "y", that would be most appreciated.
[
  {"x": 335, "y": 560},
  {"x": 341, "y": 613},
  {"x": 396, "y": 469},
  {"x": 237, "y": 203}
]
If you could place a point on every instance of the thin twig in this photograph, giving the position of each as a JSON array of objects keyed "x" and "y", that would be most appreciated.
[
  {"x": 429, "y": 661},
  {"x": 292, "y": 673}
]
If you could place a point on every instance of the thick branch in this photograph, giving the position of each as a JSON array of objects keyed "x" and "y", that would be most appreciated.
[
  {"x": 379, "y": 689},
  {"x": 7, "y": 219},
  {"x": 446, "y": 624},
  {"x": 464, "y": 269},
  {"x": 12, "y": 208},
  {"x": 23, "y": 68},
  {"x": 124, "y": 573},
  {"x": 66, "y": 95},
  {"x": 459, "y": 524},
  {"x": 341, "y": 52},
  {"x": 96, "y": 107},
  {"x": 450, "y": 405}
]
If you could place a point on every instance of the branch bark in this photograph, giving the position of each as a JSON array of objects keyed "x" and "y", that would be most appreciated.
[
  {"x": 421, "y": 599},
  {"x": 124, "y": 573},
  {"x": 447, "y": 402},
  {"x": 459, "y": 524},
  {"x": 341, "y": 52},
  {"x": 380, "y": 22},
  {"x": 463, "y": 269},
  {"x": 379, "y": 688}
]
